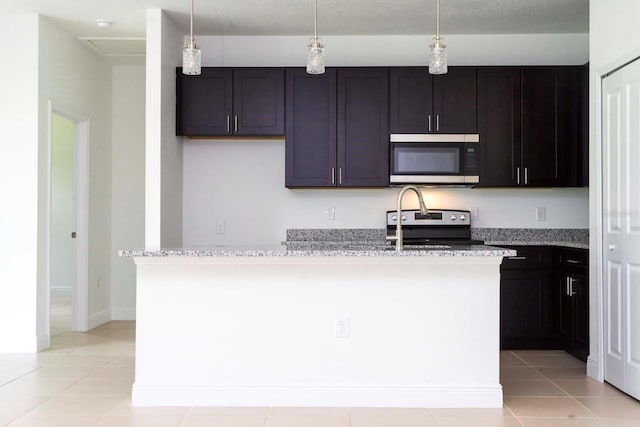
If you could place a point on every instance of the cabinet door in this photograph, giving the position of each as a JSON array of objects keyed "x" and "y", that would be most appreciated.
[
  {"x": 258, "y": 101},
  {"x": 583, "y": 176},
  {"x": 363, "y": 127},
  {"x": 581, "y": 316},
  {"x": 455, "y": 101},
  {"x": 204, "y": 102},
  {"x": 310, "y": 140},
  {"x": 411, "y": 100},
  {"x": 525, "y": 309},
  {"x": 499, "y": 126},
  {"x": 544, "y": 127},
  {"x": 565, "y": 311}
]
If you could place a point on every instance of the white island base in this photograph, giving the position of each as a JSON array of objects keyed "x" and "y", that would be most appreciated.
[{"x": 417, "y": 331}]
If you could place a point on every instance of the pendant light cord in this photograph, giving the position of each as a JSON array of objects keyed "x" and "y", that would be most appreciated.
[
  {"x": 315, "y": 21},
  {"x": 192, "y": 41},
  {"x": 437, "y": 19}
]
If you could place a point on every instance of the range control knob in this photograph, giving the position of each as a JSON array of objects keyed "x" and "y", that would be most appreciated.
[
  {"x": 394, "y": 217},
  {"x": 453, "y": 218},
  {"x": 463, "y": 217},
  {"x": 404, "y": 217}
]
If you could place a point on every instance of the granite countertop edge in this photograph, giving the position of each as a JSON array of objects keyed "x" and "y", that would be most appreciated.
[{"x": 374, "y": 251}]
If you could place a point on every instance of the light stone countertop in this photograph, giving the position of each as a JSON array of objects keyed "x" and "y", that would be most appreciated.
[
  {"x": 339, "y": 250},
  {"x": 576, "y": 245}
]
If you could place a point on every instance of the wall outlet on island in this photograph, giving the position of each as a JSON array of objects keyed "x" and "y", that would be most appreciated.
[
  {"x": 342, "y": 327},
  {"x": 541, "y": 213},
  {"x": 330, "y": 213}
]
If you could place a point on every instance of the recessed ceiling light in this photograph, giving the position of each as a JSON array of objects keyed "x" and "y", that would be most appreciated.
[{"x": 103, "y": 23}]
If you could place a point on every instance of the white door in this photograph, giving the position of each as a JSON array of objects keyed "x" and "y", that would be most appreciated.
[{"x": 621, "y": 220}]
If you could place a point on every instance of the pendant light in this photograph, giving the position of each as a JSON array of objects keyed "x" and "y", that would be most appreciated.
[
  {"x": 438, "y": 57},
  {"x": 191, "y": 54},
  {"x": 315, "y": 54}
]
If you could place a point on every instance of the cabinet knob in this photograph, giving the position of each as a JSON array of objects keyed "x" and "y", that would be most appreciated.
[{"x": 612, "y": 248}]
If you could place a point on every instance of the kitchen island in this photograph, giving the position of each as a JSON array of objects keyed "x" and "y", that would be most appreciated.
[{"x": 349, "y": 327}]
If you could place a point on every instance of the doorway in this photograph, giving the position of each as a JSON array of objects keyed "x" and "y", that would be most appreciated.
[
  {"x": 66, "y": 307},
  {"x": 621, "y": 227},
  {"x": 62, "y": 224}
]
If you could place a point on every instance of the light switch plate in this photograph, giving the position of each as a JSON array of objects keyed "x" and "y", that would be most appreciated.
[
  {"x": 541, "y": 213},
  {"x": 219, "y": 226}
]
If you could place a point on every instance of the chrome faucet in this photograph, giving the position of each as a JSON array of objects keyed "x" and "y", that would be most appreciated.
[{"x": 423, "y": 210}]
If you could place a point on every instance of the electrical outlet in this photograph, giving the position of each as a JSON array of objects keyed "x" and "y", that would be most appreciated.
[
  {"x": 330, "y": 213},
  {"x": 541, "y": 213},
  {"x": 342, "y": 327},
  {"x": 219, "y": 226}
]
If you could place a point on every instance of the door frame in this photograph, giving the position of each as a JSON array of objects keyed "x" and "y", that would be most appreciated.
[
  {"x": 80, "y": 288},
  {"x": 596, "y": 360}
]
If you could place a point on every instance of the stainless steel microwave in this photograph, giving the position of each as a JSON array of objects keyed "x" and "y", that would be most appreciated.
[{"x": 434, "y": 159}]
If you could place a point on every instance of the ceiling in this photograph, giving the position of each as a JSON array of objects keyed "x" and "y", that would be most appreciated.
[{"x": 295, "y": 17}]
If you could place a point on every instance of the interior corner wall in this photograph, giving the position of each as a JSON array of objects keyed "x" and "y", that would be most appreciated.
[
  {"x": 163, "y": 176},
  {"x": 127, "y": 188},
  {"x": 75, "y": 78},
  {"x": 613, "y": 40},
  {"x": 18, "y": 182}
]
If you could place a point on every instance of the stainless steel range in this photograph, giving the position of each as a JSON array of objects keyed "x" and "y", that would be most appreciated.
[{"x": 437, "y": 227}]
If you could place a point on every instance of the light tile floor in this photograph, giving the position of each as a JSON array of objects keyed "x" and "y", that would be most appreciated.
[{"x": 85, "y": 380}]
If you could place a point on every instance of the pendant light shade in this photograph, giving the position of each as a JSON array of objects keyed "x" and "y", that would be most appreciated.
[
  {"x": 315, "y": 53},
  {"x": 438, "y": 56},
  {"x": 191, "y": 54}
]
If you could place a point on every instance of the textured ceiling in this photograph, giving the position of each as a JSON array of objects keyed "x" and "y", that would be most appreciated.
[{"x": 335, "y": 17}]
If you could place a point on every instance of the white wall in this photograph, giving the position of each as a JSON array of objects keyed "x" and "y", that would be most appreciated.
[
  {"x": 614, "y": 39},
  {"x": 241, "y": 182},
  {"x": 62, "y": 205},
  {"x": 73, "y": 77},
  {"x": 18, "y": 182},
  {"x": 127, "y": 186},
  {"x": 163, "y": 215}
]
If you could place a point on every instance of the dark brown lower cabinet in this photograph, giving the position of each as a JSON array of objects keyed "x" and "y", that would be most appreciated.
[
  {"x": 544, "y": 300},
  {"x": 526, "y": 303},
  {"x": 572, "y": 293}
]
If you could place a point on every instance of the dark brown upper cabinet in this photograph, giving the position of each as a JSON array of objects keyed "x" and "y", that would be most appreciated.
[
  {"x": 499, "y": 121},
  {"x": 423, "y": 103},
  {"x": 529, "y": 123},
  {"x": 224, "y": 101},
  {"x": 311, "y": 134},
  {"x": 337, "y": 128}
]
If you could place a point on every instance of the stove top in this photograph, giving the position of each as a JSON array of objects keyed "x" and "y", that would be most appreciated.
[{"x": 437, "y": 227}]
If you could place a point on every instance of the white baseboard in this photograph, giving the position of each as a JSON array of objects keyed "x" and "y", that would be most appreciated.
[
  {"x": 389, "y": 397},
  {"x": 593, "y": 369},
  {"x": 99, "y": 318},
  {"x": 44, "y": 341},
  {"x": 123, "y": 313},
  {"x": 61, "y": 291}
]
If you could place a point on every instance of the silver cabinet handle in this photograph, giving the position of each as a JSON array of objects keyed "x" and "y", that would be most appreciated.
[
  {"x": 437, "y": 122},
  {"x": 235, "y": 127},
  {"x": 340, "y": 176},
  {"x": 333, "y": 175},
  {"x": 518, "y": 175},
  {"x": 526, "y": 176},
  {"x": 571, "y": 291},
  {"x": 429, "y": 122},
  {"x": 573, "y": 261},
  {"x": 568, "y": 286},
  {"x": 228, "y": 124},
  {"x": 517, "y": 257}
]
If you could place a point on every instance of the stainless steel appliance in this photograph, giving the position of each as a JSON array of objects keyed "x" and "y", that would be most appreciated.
[
  {"x": 434, "y": 159},
  {"x": 437, "y": 227}
]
